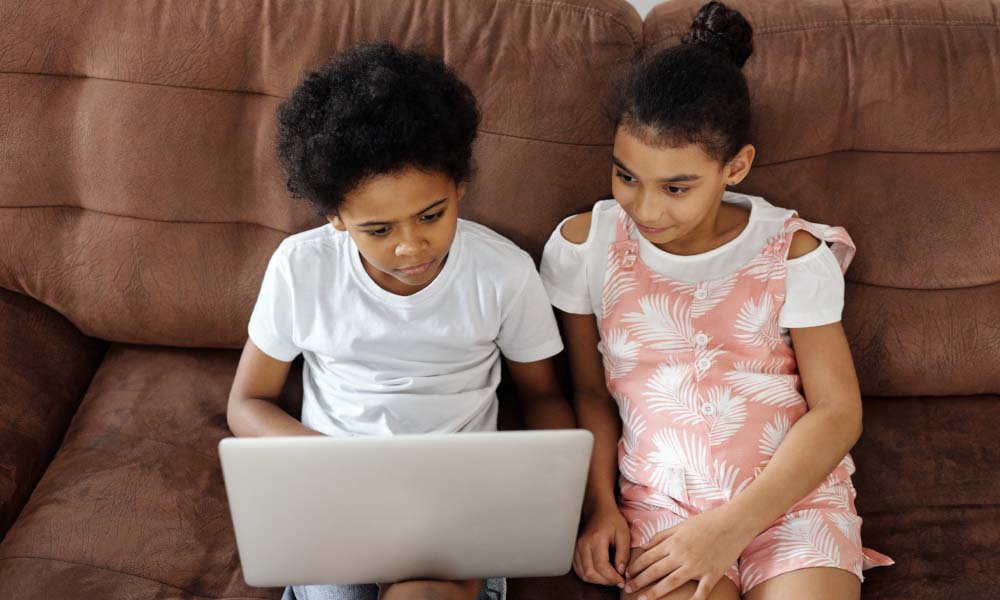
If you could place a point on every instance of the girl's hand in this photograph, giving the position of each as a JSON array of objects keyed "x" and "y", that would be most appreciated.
[
  {"x": 701, "y": 549},
  {"x": 605, "y": 529}
]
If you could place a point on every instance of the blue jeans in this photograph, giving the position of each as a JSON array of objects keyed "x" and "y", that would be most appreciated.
[{"x": 493, "y": 589}]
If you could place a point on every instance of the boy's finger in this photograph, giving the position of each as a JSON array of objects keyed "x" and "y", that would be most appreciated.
[
  {"x": 622, "y": 549},
  {"x": 602, "y": 562}
]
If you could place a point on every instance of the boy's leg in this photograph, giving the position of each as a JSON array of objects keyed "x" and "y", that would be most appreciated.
[
  {"x": 431, "y": 590},
  {"x": 815, "y": 583}
]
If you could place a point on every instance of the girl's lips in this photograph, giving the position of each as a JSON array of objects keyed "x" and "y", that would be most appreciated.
[{"x": 651, "y": 230}]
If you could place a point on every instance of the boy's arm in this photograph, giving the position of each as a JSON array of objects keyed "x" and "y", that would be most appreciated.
[
  {"x": 253, "y": 409},
  {"x": 542, "y": 401}
]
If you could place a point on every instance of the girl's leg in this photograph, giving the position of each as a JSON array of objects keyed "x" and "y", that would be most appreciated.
[
  {"x": 815, "y": 583},
  {"x": 724, "y": 590},
  {"x": 431, "y": 590}
]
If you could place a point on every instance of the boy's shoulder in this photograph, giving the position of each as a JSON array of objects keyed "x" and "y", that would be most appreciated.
[
  {"x": 489, "y": 248},
  {"x": 305, "y": 245}
]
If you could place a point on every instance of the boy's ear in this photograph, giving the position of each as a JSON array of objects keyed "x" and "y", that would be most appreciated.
[
  {"x": 336, "y": 221},
  {"x": 739, "y": 166},
  {"x": 460, "y": 190}
]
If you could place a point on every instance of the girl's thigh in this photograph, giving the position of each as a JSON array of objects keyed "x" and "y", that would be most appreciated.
[
  {"x": 815, "y": 583},
  {"x": 724, "y": 590}
]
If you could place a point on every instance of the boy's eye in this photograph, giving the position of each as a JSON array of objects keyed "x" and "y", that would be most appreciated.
[
  {"x": 625, "y": 177},
  {"x": 676, "y": 190},
  {"x": 378, "y": 232},
  {"x": 433, "y": 217}
]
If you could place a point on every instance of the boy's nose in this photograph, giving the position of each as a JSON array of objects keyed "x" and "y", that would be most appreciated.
[{"x": 411, "y": 245}]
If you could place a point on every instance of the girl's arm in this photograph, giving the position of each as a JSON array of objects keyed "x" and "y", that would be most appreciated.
[
  {"x": 596, "y": 411},
  {"x": 818, "y": 441},
  {"x": 543, "y": 405},
  {"x": 252, "y": 410}
]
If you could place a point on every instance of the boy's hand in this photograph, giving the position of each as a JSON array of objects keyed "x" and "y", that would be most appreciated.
[{"x": 604, "y": 529}]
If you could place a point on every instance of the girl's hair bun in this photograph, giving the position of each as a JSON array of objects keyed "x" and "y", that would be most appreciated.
[{"x": 722, "y": 29}]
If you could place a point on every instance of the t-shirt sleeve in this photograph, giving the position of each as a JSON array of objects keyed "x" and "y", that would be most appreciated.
[
  {"x": 271, "y": 321},
  {"x": 814, "y": 290},
  {"x": 564, "y": 273},
  {"x": 528, "y": 331}
]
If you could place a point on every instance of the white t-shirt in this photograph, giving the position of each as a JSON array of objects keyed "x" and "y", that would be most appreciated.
[
  {"x": 377, "y": 363},
  {"x": 573, "y": 274}
]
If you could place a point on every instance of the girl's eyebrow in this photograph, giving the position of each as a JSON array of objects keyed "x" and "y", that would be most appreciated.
[
  {"x": 682, "y": 178},
  {"x": 374, "y": 223}
]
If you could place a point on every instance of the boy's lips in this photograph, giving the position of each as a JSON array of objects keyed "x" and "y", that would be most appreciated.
[{"x": 418, "y": 269}]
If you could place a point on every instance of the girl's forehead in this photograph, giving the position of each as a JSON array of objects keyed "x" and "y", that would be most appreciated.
[{"x": 638, "y": 154}]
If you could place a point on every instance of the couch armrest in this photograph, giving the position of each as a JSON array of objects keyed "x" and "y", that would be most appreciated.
[{"x": 46, "y": 365}]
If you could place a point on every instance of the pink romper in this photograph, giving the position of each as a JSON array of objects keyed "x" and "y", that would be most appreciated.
[{"x": 707, "y": 387}]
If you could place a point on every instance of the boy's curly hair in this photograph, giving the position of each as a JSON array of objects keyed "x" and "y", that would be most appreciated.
[{"x": 374, "y": 110}]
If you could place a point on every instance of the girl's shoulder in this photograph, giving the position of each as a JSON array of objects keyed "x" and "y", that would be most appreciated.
[{"x": 583, "y": 228}]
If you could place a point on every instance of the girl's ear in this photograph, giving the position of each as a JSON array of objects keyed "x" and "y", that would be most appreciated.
[
  {"x": 336, "y": 221},
  {"x": 739, "y": 166}
]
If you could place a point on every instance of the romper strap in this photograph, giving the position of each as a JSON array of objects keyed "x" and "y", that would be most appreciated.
[
  {"x": 842, "y": 245},
  {"x": 625, "y": 227}
]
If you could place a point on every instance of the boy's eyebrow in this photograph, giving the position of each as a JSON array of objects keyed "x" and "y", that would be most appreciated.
[
  {"x": 373, "y": 223},
  {"x": 675, "y": 179}
]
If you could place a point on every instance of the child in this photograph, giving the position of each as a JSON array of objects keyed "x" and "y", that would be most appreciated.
[
  {"x": 400, "y": 309},
  {"x": 692, "y": 298}
]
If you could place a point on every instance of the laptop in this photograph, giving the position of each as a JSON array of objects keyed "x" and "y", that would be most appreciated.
[{"x": 321, "y": 510}]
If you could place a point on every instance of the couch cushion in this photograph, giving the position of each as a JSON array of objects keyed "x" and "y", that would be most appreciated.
[
  {"x": 133, "y": 504},
  {"x": 140, "y": 139},
  {"x": 45, "y": 367}
]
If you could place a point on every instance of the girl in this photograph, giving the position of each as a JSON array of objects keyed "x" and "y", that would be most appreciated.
[{"x": 733, "y": 461}]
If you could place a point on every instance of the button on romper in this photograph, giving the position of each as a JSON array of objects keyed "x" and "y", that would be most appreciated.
[{"x": 707, "y": 387}]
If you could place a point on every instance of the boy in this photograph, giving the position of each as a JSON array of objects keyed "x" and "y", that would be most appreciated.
[{"x": 400, "y": 309}]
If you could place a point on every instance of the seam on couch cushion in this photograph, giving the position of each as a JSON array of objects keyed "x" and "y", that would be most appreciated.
[{"x": 82, "y": 564}]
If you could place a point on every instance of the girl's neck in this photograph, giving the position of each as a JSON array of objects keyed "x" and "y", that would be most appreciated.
[{"x": 722, "y": 225}]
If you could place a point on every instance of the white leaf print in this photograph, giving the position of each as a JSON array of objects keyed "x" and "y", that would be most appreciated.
[
  {"x": 617, "y": 283},
  {"x": 750, "y": 575},
  {"x": 848, "y": 524},
  {"x": 774, "y": 433},
  {"x": 705, "y": 353},
  {"x": 760, "y": 267},
  {"x": 667, "y": 326},
  {"x": 835, "y": 493},
  {"x": 764, "y": 387},
  {"x": 656, "y": 500},
  {"x": 757, "y": 323},
  {"x": 674, "y": 393},
  {"x": 633, "y": 426},
  {"x": 726, "y": 478},
  {"x": 688, "y": 451},
  {"x": 729, "y": 416},
  {"x": 620, "y": 353},
  {"x": 649, "y": 529},
  {"x": 807, "y": 538},
  {"x": 718, "y": 290}
]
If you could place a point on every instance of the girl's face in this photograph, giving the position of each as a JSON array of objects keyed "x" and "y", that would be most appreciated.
[
  {"x": 403, "y": 224},
  {"x": 672, "y": 194}
]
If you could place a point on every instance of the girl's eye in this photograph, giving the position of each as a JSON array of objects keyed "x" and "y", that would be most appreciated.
[
  {"x": 433, "y": 217},
  {"x": 675, "y": 190},
  {"x": 379, "y": 232},
  {"x": 625, "y": 177}
]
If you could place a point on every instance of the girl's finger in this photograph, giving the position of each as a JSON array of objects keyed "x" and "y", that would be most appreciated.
[
  {"x": 648, "y": 557},
  {"x": 659, "y": 537},
  {"x": 668, "y": 584},
  {"x": 705, "y": 587},
  {"x": 652, "y": 574}
]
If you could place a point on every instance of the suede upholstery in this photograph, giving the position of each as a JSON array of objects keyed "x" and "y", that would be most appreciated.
[{"x": 140, "y": 200}]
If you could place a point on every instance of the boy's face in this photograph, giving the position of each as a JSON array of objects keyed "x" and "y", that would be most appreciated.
[{"x": 403, "y": 224}]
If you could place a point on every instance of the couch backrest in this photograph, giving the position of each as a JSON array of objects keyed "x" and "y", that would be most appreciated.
[
  {"x": 882, "y": 117},
  {"x": 139, "y": 193}
]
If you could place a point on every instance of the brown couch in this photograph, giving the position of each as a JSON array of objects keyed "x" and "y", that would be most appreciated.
[{"x": 140, "y": 200}]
